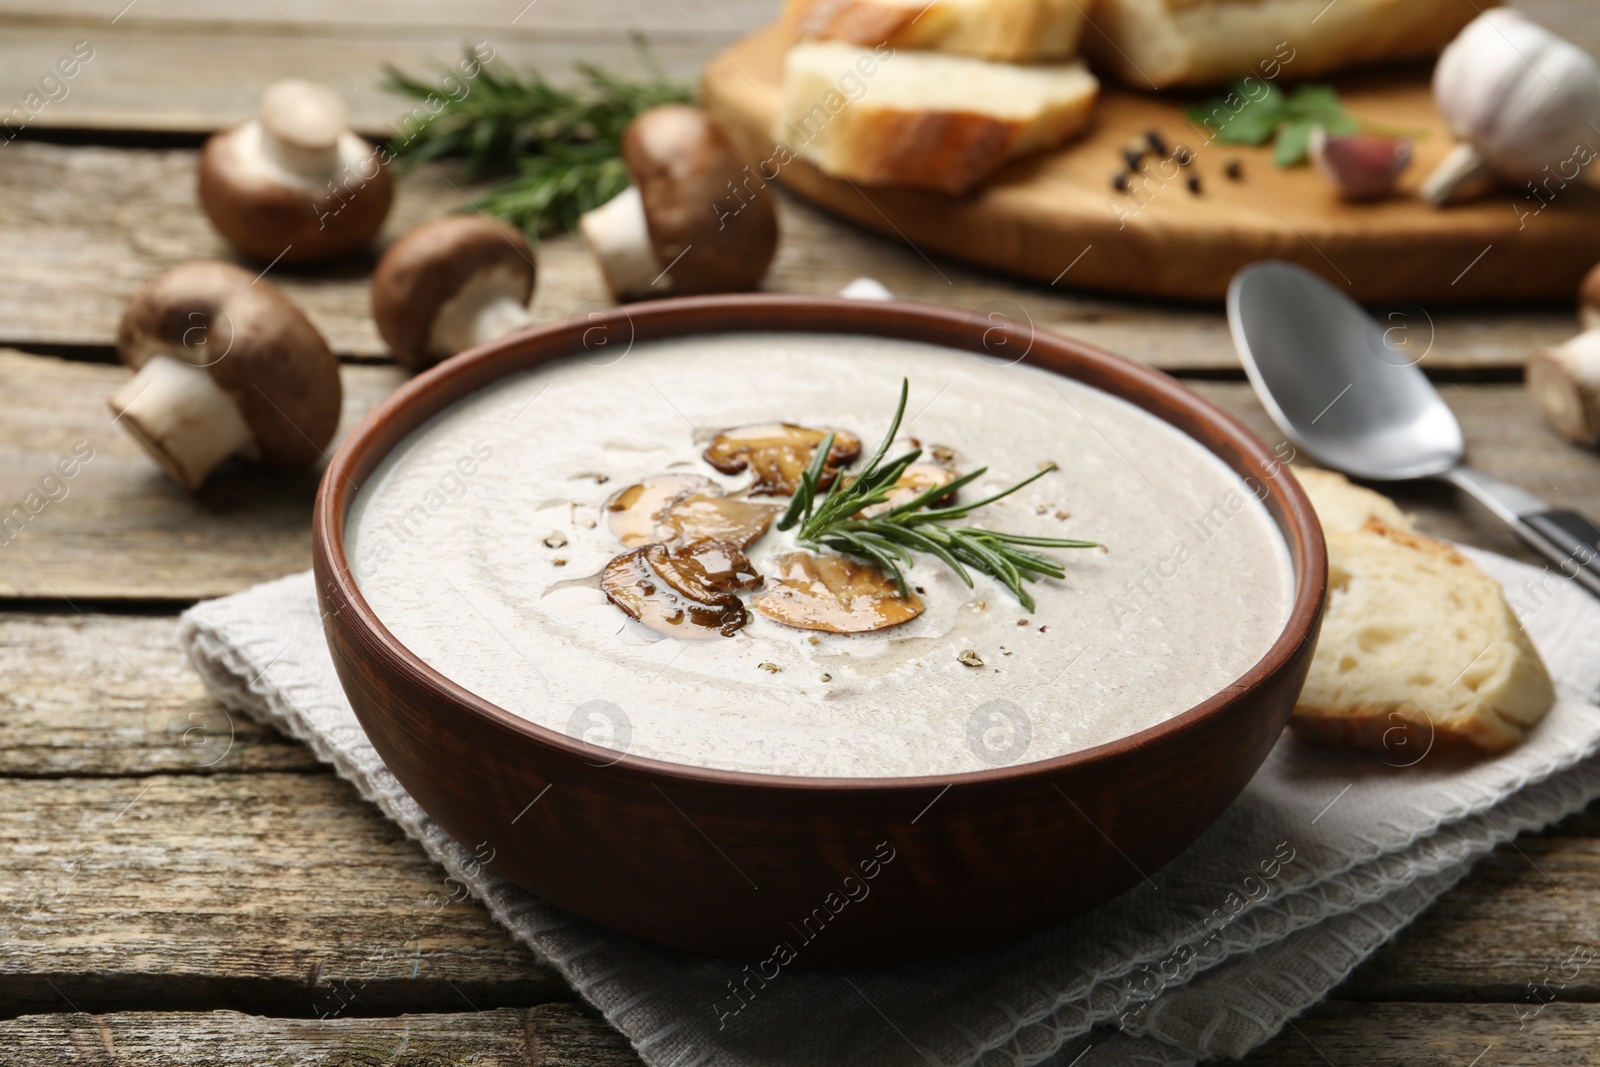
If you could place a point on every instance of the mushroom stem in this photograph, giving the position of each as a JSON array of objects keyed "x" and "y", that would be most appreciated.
[
  {"x": 301, "y": 123},
  {"x": 1456, "y": 175},
  {"x": 298, "y": 160},
  {"x": 1565, "y": 382},
  {"x": 619, "y": 237},
  {"x": 499, "y": 317},
  {"x": 181, "y": 417},
  {"x": 485, "y": 309}
]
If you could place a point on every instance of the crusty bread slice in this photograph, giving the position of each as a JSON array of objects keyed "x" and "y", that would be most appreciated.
[
  {"x": 926, "y": 119},
  {"x": 1012, "y": 31},
  {"x": 1163, "y": 43},
  {"x": 1419, "y": 650},
  {"x": 1342, "y": 505}
]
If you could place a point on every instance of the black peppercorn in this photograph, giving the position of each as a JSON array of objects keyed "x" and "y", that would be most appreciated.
[
  {"x": 1157, "y": 143},
  {"x": 1194, "y": 184},
  {"x": 1233, "y": 170},
  {"x": 1119, "y": 182}
]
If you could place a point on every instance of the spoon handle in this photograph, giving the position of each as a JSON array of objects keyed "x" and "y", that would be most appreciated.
[{"x": 1569, "y": 540}]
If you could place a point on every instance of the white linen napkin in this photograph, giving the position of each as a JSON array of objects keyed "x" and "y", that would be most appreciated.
[{"x": 1324, "y": 856}]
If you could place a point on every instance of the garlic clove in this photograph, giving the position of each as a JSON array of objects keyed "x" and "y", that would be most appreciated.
[{"x": 1360, "y": 166}]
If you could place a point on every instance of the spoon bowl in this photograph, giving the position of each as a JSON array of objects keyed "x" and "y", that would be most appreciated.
[
  {"x": 1347, "y": 390},
  {"x": 1338, "y": 383}
]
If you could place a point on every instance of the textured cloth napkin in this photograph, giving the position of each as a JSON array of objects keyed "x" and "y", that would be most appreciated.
[{"x": 1325, "y": 855}]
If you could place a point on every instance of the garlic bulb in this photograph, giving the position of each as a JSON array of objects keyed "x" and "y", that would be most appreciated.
[{"x": 1520, "y": 99}]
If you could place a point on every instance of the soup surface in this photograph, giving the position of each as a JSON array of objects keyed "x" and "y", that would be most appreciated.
[{"x": 479, "y": 543}]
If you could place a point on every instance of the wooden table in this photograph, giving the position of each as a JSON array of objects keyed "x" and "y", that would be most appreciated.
[{"x": 217, "y": 896}]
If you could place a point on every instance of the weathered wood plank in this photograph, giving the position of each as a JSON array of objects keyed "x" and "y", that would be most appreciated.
[
  {"x": 548, "y": 1035},
  {"x": 1405, "y": 1035},
  {"x": 176, "y": 75},
  {"x": 122, "y": 529},
  {"x": 102, "y": 695},
  {"x": 86, "y": 226},
  {"x": 570, "y": 1035},
  {"x": 1521, "y": 929},
  {"x": 284, "y": 894}
]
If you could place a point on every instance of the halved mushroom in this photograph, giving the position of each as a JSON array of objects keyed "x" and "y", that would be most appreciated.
[
  {"x": 451, "y": 284},
  {"x": 834, "y": 594},
  {"x": 912, "y": 483},
  {"x": 778, "y": 453},
  {"x": 690, "y": 222},
  {"x": 668, "y": 508},
  {"x": 683, "y": 594},
  {"x": 226, "y": 364},
  {"x": 295, "y": 183}
]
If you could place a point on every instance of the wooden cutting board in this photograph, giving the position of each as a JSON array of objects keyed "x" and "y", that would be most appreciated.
[{"x": 1055, "y": 218}]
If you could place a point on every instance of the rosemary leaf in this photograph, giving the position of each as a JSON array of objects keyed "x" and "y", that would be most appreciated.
[
  {"x": 887, "y": 540},
  {"x": 561, "y": 146}
]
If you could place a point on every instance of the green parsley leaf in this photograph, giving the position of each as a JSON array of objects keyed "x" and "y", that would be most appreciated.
[{"x": 1254, "y": 113}]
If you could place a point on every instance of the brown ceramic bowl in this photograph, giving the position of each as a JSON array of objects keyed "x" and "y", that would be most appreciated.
[{"x": 736, "y": 864}]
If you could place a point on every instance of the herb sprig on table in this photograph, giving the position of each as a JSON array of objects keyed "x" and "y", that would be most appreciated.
[
  {"x": 1270, "y": 114},
  {"x": 563, "y": 144},
  {"x": 887, "y": 539}
]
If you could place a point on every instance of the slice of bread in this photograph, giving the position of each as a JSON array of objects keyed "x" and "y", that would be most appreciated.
[
  {"x": 1419, "y": 650},
  {"x": 924, "y": 119},
  {"x": 1157, "y": 44},
  {"x": 1342, "y": 505},
  {"x": 1012, "y": 31}
]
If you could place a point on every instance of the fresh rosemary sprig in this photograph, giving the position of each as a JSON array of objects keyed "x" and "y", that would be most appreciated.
[
  {"x": 888, "y": 539},
  {"x": 564, "y": 144}
]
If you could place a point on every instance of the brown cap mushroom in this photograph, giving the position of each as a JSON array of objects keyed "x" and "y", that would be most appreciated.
[
  {"x": 1589, "y": 300},
  {"x": 451, "y": 284},
  {"x": 690, "y": 222},
  {"x": 669, "y": 508},
  {"x": 226, "y": 364},
  {"x": 295, "y": 181}
]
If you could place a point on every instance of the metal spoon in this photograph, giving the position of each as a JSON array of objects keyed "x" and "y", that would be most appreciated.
[{"x": 1340, "y": 388}]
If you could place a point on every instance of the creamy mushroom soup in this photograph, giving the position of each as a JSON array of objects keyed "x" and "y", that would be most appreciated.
[{"x": 481, "y": 540}]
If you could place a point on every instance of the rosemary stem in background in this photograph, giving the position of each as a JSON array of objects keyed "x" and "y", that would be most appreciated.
[
  {"x": 888, "y": 539},
  {"x": 562, "y": 146}
]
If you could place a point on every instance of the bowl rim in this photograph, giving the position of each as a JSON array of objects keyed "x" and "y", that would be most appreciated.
[{"x": 787, "y": 313}]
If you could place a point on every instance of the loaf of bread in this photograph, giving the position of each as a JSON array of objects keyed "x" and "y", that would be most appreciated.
[
  {"x": 924, "y": 119},
  {"x": 1015, "y": 31},
  {"x": 1419, "y": 650},
  {"x": 1157, "y": 44}
]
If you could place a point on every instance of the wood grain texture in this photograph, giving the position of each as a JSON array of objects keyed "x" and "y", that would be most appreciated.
[
  {"x": 86, "y": 226},
  {"x": 194, "y": 67},
  {"x": 1038, "y": 215},
  {"x": 124, "y": 532},
  {"x": 568, "y": 1035},
  {"x": 105, "y": 695},
  {"x": 283, "y": 892},
  {"x": 1409, "y": 1034},
  {"x": 122, "y": 529},
  {"x": 548, "y": 1035}
]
